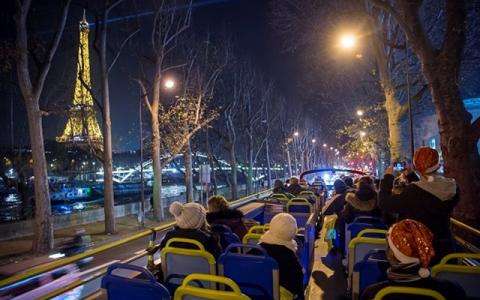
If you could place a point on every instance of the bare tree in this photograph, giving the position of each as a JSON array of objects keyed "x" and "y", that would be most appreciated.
[
  {"x": 441, "y": 68},
  {"x": 31, "y": 87},
  {"x": 168, "y": 25}
]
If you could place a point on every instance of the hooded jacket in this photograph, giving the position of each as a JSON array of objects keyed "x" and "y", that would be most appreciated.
[
  {"x": 429, "y": 201},
  {"x": 362, "y": 202},
  {"x": 232, "y": 218}
]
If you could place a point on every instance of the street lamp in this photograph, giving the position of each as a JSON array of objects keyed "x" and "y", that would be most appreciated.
[
  {"x": 296, "y": 133},
  {"x": 314, "y": 141},
  {"x": 169, "y": 84},
  {"x": 362, "y": 133},
  {"x": 325, "y": 145},
  {"x": 348, "y": 41},
  {"x": 359, "y": 112}
]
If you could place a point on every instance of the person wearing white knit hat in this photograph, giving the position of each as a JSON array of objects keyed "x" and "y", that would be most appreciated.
[
  {"x": 279, "y": 242},
  {"x": 191, "y": 224}
]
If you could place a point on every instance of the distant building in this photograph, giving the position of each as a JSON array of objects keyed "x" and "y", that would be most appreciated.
[{"x": 426, "y": 125}]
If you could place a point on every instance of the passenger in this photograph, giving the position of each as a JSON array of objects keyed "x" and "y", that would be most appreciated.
[
  {"x": 430, "y": 200},
  {"x": 349, "y": 182},
  {"x": 409, "y": 252},
  {"x": 294, "y": 188},
  {"x": 303, "y": 183},
  {"x": 362, "y": 202},
  {"x": 279, "y": 187},
  {"x": 279, "y": 242},
  {"x": 220, "y": 213},
  {"x": 191, "y": 224},
  {"x": 336, "y": 204}
]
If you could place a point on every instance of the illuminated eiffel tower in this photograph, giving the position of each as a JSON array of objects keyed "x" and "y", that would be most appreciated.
[{"x": 82, "y": 126}]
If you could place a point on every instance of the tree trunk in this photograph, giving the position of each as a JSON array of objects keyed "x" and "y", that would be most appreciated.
[
  {"x": 459, "y": 150},
  {"x": 157, "y": 170},
  {"x": 233, "y": 173},
  {"x": 289, "y": 160},
  {"x": 109, "y": 204},
  {"x": 269, "y": 168},
  {"x": 250, "y": 165},
  {"x": 187, "y": 157},
  {"x": 43, "y": 238},
  {"x": 211, "y": 161}
]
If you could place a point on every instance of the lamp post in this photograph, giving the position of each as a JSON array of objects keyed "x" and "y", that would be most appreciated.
[{"x": 142, "y": 188}]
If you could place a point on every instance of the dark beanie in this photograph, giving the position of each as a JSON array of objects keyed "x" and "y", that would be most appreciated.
[{"x": 365, "y": 192}]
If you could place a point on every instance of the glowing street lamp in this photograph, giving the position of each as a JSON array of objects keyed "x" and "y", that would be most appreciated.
[
  {"x": 359, "y": 112},
  {"x": 348, "y": 41},
  {"x": 331, "y": 148},
  {"x": 325, "y": 145},
  {"x": 362, "y": 133},
  {"x": 314, "y": 141},
  {"x": 169, "y": 84},
  {"x": 296, "y": 133}
]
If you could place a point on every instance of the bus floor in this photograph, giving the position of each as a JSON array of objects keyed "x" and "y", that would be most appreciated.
[{"x": 327, "y": 280}]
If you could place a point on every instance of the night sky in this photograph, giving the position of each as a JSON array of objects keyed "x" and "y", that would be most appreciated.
[{"x": 246, "y": 20}]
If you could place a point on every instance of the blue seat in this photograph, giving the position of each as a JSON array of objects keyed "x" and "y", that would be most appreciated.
[
  {"x": 306, "y": 249},
  {"x": 359, "y": 224},
  {"x": 370, "y": 270},
  {"x": 225, "y": 235},
  {"x": 254, "y": 271},
  {"x": 142, "y": 286}
]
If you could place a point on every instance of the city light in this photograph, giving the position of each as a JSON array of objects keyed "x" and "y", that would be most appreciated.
[
  {"x": 169, "y": 84},
  {"x": 359, "y": 112},
  {"x": 314, "y": 141},
  {"x": 296, "y": 133},
  {"x": 362, "y": 133},
  {"x": 325, "y": 145},
  {"x": 348, "y": 41}
]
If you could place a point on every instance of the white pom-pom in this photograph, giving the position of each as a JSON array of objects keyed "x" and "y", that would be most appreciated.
[
  {"x": 423, "y": 272},
  {"x": 176, "y": 208}
]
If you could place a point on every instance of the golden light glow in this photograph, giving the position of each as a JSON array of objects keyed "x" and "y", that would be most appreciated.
[
  {"x": 359, "y": 112},
  {"x": 348, "y": 41},
  {"x": 82, "y": 125},
  {"x": 169, "y": 84}
]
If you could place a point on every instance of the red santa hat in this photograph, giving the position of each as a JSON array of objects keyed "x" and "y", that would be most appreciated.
[
  {"x": 426, "y": 160},
  {"x": 411, "y": 242}
]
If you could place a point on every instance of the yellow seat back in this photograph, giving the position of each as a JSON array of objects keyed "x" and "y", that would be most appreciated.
[
  {"x": 259, "y": 229},
  {"x": 181, "y": 261},
  {"x": 367, "y": 231},
  {"x": 328, "y": 230},
  {"x": 408, "y": 291},
  {"x": 251, "y": 238},
  {"x": 187, "y": 290}
]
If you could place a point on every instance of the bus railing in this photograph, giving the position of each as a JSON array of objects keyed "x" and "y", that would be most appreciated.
[{"x": 91, "y": 252}]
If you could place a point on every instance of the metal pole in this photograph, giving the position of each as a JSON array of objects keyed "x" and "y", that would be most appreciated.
[
  {"x": 142, "y": 188},
  {"x": 410, "y": 117}
]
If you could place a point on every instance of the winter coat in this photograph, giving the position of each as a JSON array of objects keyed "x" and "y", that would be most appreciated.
[
  {"x": 290, "y": 270},
  {"x": 232, "y": 218},
  {"x": 208, "y": 240},
  {"x": 362, "y": 202},
  {"x": 279, "y": 190},
  {"x": 335, "y": 205},
  {"x": 429, "y": 201},
  {"x": 447, "y": 289},
  {"x": 295, "y": 189}
]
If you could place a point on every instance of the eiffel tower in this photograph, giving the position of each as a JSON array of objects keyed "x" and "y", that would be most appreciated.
[{"x": 82, "y": 127}]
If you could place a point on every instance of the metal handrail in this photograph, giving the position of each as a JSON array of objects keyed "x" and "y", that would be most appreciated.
[
  {"x": 464, "y": 226},
  {"x": 68, "y": 260}
]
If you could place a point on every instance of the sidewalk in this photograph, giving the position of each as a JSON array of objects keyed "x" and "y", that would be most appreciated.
[{"x": 16, "y": 255}]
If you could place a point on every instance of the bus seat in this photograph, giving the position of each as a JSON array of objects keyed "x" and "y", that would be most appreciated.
[
  {"x": 307, "y": 249},
  {"x": 225, "y": 234},
  {"x": 177, "y": 262},
  {"x": 299, "y": 205},
  {"x": 370, "y": 270},
  {"x": 144, "y": 286},
  {"x": 270, "y": 211},
  {"x": 254, "y": 271},
  {"x": 373, "y": 232},
  {"x": 359, "y": 224},
  {"x": 359, "y": 247},
  {"x": 259, "y": 229},
  {"x": 467, "y": 276},
  {"x": 408, "y": 291},
  {"x": 307, "y": 193},
  {"x": 251, "y": 238},
  {"x": 189, "y": 289},
  {"x": 282, "y": 198}
]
